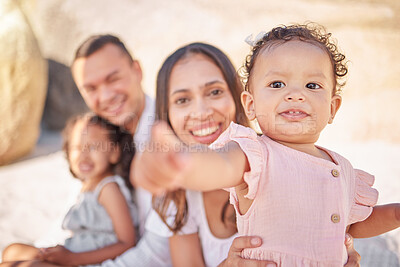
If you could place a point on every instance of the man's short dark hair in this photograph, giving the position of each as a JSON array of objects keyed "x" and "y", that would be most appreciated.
[{"x": 96, "y": 42}]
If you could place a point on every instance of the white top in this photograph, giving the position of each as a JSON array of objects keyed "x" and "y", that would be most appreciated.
[
  {"x": 142, "y": 135},
  {"x": 215, "y": 250}
]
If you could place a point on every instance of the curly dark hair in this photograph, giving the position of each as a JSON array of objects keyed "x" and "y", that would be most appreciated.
[
  {"x": 118, "y": 136},
  {"x": 308, "y": 32}
]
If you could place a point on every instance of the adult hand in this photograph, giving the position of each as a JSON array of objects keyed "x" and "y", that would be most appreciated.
[
  {"x": 161, "y": 165},
  {"x": 58, "y": 255},
  {"x": 354, "y": 257},
  {"x": 234, "y": 255}
]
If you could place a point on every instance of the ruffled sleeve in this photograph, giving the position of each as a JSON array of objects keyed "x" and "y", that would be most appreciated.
[
  {"x": 248, "y": 141},
  {"x": 365, "y": 197}
]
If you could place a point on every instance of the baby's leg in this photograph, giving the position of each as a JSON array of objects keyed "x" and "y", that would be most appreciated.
[{"x": 20, "y": 252}]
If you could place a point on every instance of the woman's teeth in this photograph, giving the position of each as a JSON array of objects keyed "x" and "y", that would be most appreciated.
[{"x": 206, "y": 131}]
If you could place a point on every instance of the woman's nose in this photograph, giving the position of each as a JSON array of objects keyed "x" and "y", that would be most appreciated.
[{"x": 201, "y": 110}]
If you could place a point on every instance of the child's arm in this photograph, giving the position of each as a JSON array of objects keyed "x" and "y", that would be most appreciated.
[
  {"x": 383, "y": 218},
  {"x": 165, "y": 165},
  {"x": 186, "y": 250},
  {"x": 115, "y": 204}
]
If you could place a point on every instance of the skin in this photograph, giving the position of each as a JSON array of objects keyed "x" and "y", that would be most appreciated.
[
  {"x": 293, "y": 77},
  {"x": 90, "y": 154},
  {"x": 110, "y": 84},
  {"x": 200, "y": 103}
]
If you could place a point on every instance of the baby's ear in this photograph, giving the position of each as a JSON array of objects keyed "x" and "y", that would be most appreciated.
[
  {"x": 336, "y": 102},
  {"x": 248, "y": 105}
]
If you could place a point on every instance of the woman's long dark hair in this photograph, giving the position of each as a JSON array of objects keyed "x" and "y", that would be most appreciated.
[{"x": 178, "y": 197}]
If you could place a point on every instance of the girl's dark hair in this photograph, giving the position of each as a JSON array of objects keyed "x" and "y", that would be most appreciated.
[
  {"x": 178, "y": 197},
  {"x": 118, "y": 137},
  {"x": 309, "y": 32}
]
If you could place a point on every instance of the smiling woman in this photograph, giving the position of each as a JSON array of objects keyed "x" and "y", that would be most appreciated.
[{"x": 200, "y": 105}]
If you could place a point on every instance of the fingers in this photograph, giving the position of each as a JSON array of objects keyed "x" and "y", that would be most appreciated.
[
  {"x": 254, "y": 263},
  {"x": 163, "y": 139},
  {"x": 161, "y": 165},
  {"x": 242, "y": 242},
  {"x": 354, "y": 257}
]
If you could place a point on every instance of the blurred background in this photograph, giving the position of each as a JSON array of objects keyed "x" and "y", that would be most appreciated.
[{"x": 38, "y": 39}]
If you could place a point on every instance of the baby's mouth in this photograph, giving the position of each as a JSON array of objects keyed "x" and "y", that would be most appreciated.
[{"x": 294, "y": 114}]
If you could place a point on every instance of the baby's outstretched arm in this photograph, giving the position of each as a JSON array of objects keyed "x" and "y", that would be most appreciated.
[
  {"x": 383, "y": 218},
  {"x": 167, "y": 164}
]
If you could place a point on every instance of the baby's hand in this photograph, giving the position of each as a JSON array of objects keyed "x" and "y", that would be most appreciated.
[{"x": 161, "y": 166}]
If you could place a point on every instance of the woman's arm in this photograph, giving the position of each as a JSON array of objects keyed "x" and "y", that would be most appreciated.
[
  {"x": 166, "y": 164},
  {"x": 117, "y": 208},
  {"x": 186, "y": 250},
  {"x": 383, "y": 218}
]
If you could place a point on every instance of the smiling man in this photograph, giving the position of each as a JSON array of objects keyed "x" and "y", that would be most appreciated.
[{"x": 109, "y": 80}]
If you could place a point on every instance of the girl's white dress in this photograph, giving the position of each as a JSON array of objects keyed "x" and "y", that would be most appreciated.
[{"x": 90, "y": 226}]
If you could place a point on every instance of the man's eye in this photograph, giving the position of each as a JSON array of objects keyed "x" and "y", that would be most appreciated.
[
  {"x": 277, "y": 85},
  {"x": 313, "y": 86},
  {"x": 89, "y": 89},
  {"x": 114, "y": 79}
]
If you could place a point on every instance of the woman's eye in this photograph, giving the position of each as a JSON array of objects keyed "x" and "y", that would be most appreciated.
[
  {"x": 313, "y": 86},
  {"x": 216, "y": 92},
  {"x": 277, "y": 85},
  {"x": 181, "y": 101}
]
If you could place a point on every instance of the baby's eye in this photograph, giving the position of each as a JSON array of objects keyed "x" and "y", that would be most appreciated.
[
  {"x": 216, "y": 92},
  {"x": 277, "y": 85},
  {"x": 313, "y": 86}
]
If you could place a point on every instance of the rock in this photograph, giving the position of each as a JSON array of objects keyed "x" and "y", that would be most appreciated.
[
  {"x": 23, "y": 80},
  {"x": 63, "y": 98}
]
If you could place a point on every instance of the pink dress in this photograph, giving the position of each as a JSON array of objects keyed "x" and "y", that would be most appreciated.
[{"x": 302, "y": 204}]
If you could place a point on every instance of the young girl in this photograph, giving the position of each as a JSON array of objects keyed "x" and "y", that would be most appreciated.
[
  {"x": 101, "y": 222},
  {"x": 299, "y": 197}
]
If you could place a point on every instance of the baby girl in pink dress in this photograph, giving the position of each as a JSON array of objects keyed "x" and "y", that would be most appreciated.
[{"x": 299, "y": 197}]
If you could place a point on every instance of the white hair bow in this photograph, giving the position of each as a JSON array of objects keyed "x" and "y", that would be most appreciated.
[{"x": 252, "y": 42}]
